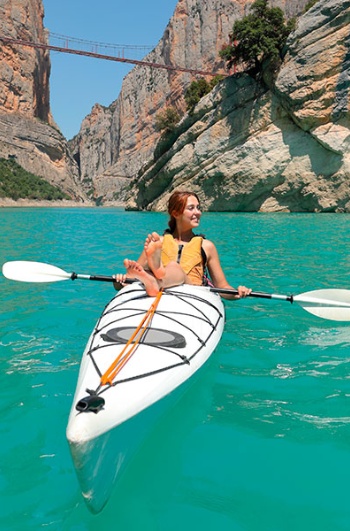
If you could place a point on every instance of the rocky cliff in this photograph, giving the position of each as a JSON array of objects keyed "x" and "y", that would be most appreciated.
[
  {"x": 27, "y": 130},
  {"x": 114, "y": 143},
  {"x": 249, "y": 146},
  {"x": 284, "y": 148}
]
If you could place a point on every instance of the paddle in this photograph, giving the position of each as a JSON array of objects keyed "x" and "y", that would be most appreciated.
[
  {"x": 25, "y": 271},
  {"x": 333, "y": 304}
]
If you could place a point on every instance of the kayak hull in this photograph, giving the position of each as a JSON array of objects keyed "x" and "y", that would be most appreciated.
[
  {"x": 183, "y": 333},
  {"x": 100, "y": 463}
]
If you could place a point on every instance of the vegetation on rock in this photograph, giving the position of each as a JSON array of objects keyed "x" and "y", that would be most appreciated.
[
  {"x": 17, "y": 183},
  {"x": 259, "y": 36},
  {"x": 309, "y": 5},
  {"x": 167, "y": 120},
  {"x": 198, "y": 89}
]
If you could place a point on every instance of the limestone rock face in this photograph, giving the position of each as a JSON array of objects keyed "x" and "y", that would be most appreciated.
[
  {"x": 25, "y": 72},
  {"x": 27, "y": 130},
  {"x": 99, "y": 146},
  {"x": 115, "y": 143},
  {"x": 314, "y": 81},
  {"x": 250, "y": 148}
]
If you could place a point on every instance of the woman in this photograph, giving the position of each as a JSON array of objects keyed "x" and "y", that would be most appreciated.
[{"x": 180, "y": 256}]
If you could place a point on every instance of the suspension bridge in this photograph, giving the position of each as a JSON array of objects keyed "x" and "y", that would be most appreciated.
[{"x": 116, "y": 52}]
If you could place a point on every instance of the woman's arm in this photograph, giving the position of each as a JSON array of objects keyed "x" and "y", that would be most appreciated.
[{"x": 216, "y": 273}]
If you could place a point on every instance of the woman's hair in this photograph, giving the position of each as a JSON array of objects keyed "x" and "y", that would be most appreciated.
[{"x": 176, "y": 205}]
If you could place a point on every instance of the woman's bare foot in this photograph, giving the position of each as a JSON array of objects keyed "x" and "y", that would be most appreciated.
[
  {"x": 153, "y": 247},
  {"x": 134, "y": 269}
]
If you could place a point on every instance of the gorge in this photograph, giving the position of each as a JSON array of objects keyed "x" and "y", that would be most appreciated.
[{"x": 280, "y": 145}]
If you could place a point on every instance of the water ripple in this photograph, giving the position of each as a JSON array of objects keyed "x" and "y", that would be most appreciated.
[{"x": 30, "y": 354}]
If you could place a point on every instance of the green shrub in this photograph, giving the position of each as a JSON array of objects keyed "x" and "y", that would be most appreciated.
[
  {"x": 167, "y": 120},
  {"x": 17, "y": 183},
  {"x": 198, "y": 89},
  {"x": 309, "y": 5}
]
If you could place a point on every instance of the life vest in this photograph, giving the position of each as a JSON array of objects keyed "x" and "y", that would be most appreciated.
[{"x": 189, "y": 256}]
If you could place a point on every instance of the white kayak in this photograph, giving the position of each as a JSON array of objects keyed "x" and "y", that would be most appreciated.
[{"x": 133, "y": 359}]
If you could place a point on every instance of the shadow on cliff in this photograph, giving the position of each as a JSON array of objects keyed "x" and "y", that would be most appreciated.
[
  {"x": 318, "y": 161},
  {"x": 240, "y": 108},
  {"x": 323, "y": 161},
  {"x": 340, "y": 109},
  {"x": 301, "y": 144},
  {"x": 234, "y": 100},
  {"x": 311, "y": 161}
]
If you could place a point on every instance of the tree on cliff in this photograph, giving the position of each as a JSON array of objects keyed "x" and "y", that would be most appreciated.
[{"x": 259, "y": 36}]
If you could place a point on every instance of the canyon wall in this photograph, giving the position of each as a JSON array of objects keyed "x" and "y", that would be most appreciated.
[
  {"x": 251, "y": 147},
  {"x": 254, "y": 146},
  {"x": 271, "y": 146},
  {"x": 116, "y": 142},
  {"x": 28, "y": 133}
]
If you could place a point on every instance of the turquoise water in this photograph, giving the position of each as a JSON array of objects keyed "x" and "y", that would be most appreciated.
[{"x": 260, "y": 442}]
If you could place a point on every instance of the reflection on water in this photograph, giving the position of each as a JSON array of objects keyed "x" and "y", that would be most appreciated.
[
  {"x": 328, "y": 337},
  {"x": 283, "y": 413},
  {"x": 279, "y": 377},
  {"x": 34, "y": 353}
]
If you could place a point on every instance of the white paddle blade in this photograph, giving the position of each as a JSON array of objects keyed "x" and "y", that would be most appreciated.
[
  {"x": 24, "y": 271},
  {"x": 333, "y": 304}
]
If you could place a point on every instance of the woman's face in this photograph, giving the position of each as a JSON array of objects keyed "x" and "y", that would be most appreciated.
[{"x": 190, "y": 217}]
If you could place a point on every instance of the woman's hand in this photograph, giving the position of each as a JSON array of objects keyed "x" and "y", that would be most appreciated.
[
  {"x": 243, "y": 292},
  {"x": 119, "y": 281}
]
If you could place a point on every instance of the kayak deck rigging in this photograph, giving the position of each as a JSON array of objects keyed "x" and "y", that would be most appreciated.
[{"x": 113, "y": 335}]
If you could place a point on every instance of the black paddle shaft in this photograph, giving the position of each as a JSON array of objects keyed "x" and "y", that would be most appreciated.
[
  {"x": 256, "y": 294},
  {"x": 100, "y": 278},
  {"x": 224, "y": 291}
]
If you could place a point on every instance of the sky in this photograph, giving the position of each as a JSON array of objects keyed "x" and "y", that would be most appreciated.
[{"x": 77, "y": 82}]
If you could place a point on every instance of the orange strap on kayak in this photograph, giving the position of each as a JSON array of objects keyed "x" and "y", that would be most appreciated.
[{"x": 130, "y": 347}]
